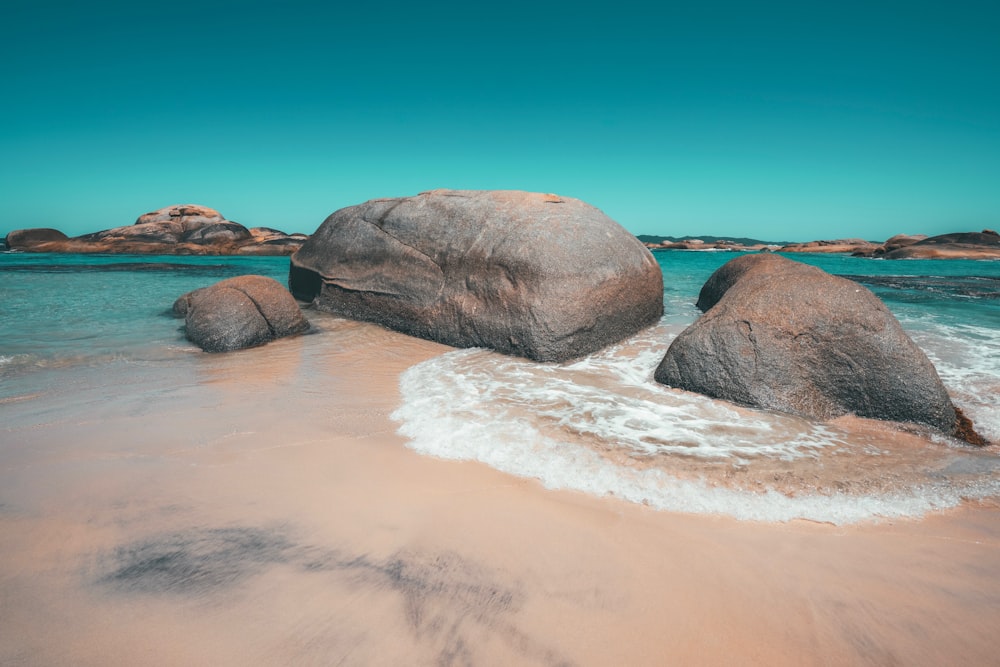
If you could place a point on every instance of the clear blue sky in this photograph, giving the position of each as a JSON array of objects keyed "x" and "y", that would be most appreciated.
[{"x": 795, "y": 121}]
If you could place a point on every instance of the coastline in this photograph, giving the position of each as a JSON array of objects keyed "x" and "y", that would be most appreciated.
[{"x": 269, "y": 513}]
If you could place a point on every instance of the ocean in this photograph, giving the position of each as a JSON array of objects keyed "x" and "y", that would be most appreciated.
[{"x": 89, "y": 342}]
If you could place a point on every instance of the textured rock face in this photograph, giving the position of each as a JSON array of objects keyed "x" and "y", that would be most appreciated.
[
  {"x": 784, "y": 336},
  {"x": 189, "y": 215},
  {"x": 730, "y": 272},
  {"x": 239, "y": 312},
  {"x": 539, "y": 276},
  {"x": 187, "y": 229}
]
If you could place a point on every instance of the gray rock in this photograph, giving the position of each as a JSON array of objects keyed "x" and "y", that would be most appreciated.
[
  {"x": 785, "y": 336},
  {"x": 239, "y": 312},
  {"x": 533, "y": 275}
]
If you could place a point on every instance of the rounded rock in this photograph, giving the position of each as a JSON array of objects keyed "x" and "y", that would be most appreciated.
[
  {"x": 533, "y": 275},
  {"x": 240, "y": 312},
  {"x": 781, "y": 335}
]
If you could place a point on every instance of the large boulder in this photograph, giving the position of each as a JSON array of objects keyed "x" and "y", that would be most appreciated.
[
  {"x": 239, "y": 312},
  {"x": 785, "y": 336},
  {"x": 533, "y": 275}
]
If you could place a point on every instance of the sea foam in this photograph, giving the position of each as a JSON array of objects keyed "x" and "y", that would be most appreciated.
[{"x": 602, "y": 426}]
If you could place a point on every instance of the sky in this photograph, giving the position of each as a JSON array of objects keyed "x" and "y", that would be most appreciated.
[{"x": 777, "y": 121}]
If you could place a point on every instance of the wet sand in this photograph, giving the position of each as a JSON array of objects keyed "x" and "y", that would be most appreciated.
[{"x": 259, "y": 508}]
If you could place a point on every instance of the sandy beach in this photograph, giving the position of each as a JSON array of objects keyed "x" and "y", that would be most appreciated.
[{"x": 275, "y": 517}]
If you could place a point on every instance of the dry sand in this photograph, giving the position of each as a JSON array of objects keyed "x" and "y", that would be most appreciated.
[{"x": 274, "y": 517}]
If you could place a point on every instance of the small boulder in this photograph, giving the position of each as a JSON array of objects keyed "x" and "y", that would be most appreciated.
[
  {"x": 781, "y": 335},
  {"x": 533, "y": 275},
  {"x": 239, "y": 312},
  {"x": 34, "y": 239}
]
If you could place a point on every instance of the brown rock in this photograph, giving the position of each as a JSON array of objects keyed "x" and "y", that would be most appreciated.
[
  {"x": 785, "y": 336},
  {"x": 534, "y": 275},
  {"x": 238, "y": 313},
  {"x": 186, "y": 215},
  {"x": 186, "y": 229},
  {"x": 846, "y": 246},
  {"x": 34, "y": 240},
  {"x": 962, "y": 245}
]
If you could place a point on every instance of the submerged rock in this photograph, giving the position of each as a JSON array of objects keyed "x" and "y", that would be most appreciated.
[
  {"x": 789, "y": 337},
  {"x": 533, "y": 275},
  {"x": 239, "y": 312}
]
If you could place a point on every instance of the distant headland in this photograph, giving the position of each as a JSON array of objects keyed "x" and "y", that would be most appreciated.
[
  {"x": 183, "y": 229},
  {"x": 961, "y": 245},
  {"x": 192, "y": 229}
]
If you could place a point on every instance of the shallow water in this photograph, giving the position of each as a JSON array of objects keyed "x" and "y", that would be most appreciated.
[
  {"x": 161, "y": 506},
  {"x": 603, "y": 426},
  {"x": 597, "y": 424}
]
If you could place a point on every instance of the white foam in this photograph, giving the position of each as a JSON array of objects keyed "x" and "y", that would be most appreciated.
[
  {"x": 441, "y": 424},
  {"x": 967, "y": 359},
  {"x": 600, "y": 425}
]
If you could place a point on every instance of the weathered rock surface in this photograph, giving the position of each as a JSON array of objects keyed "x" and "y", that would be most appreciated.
[
  {"x": 533, "y": 275},
  {"x": 785, "y": 336},
  {"x": 239, "y": 312},
  {"x": 186, "y": 229},
  {"x": 964, "y": 245}
]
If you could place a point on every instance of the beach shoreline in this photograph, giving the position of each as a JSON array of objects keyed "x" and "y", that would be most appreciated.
[{"x": 268, "y": 512}]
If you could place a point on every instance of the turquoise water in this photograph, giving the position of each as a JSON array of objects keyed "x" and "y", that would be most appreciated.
[
  {"x": 84, "y": 308},
  {"x": 64, "y": 309},
  {"x": 598, "y": 424}
]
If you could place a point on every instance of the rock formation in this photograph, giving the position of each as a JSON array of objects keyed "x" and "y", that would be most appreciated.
[
  {"x": 175, "y": 230},
  {"x": 785, "y": 336},
  {"x": 533, "y": 275},
  {"x": 239, "y": 312},
  {"x": 835, "y": 246},
  {"x": 964, "y": 245}
]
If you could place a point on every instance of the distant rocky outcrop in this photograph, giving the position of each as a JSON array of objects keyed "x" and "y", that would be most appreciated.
[
  {"x": 781, "y": 335},
  {"x": 708, "y": 243},
  {"x": 240, "y": 312},
  {"x": 534, "y": 275},
  {"x": 964, "y": 245},
  {"x": 186, "y": 229},
  {"x": 848, "y": 246}
]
